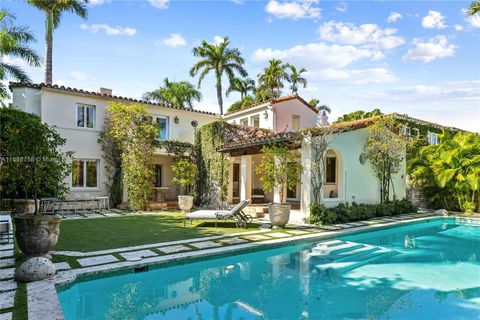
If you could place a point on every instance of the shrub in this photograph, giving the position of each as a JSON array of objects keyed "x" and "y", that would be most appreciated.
[{"x": 346, "y": 212}]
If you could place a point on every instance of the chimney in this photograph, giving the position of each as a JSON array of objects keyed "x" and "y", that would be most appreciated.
[
  {"x": 322, "y": 119},
  {"x": 106, "y": 91}
]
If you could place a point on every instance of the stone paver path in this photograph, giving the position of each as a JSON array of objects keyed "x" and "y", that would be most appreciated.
[
  {"x": 6, "y": 299},
  {"x": 6, "y": 316},
  {"x": 256, "y": 237},
  {"x": 7, "y": 273},
  {"x": 174, "y": 249},
  {"x": 59, "y": 266},
  {"x": 279, "y": 235},
  {"x": 7, "y": 285},
  {"x": 86, "y": 262},
  {"x": 233, "y": 241},
  {"x": 205, "y": 244},
  {"x": 7, "y": 246},
  {"x": 138, "y": 255},
  {"x": 9, "y": 262},
  {"x": 297, "y": 232},
  {"x": 6, "y": 254}
]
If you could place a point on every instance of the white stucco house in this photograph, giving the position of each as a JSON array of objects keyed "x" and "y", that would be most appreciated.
[{"x": 78, "y": 115}]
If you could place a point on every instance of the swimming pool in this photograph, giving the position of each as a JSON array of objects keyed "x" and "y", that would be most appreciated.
[{"x": 426, "y": 270}]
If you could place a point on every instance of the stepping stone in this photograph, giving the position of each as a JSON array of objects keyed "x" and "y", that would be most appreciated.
[
  {"x": 8, "y": 285},
  {"x": 256, "y": 237},
  {"x": 7, "y": 273},
  {"x": 6, "y": 299},
  {"x": 87, "y": 262},
  {"x": 6, "y": 316},
  {"x": 174, "y": 249},
  {"x": 6, "y": 254},
  {"x": 7, "y": 262},
  {"x": 205, "y": 244},
  {"x": 138, "y": 255},
  {"x": 233, "y": 241},
  {"x": 62, "y": 266},
  {"x": 357, "y": 224},
  {"x": 330, "y": 228},
  {"x": 297, "y": 232},
  {"x": 8, "y": 246},
  {"x": 279, "y": 235}
]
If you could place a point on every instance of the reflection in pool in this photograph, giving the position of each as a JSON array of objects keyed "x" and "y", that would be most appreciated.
[{"x": 431, "y": 271}]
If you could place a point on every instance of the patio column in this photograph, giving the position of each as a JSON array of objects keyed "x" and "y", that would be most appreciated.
[
  {"x": 230, "y": 181},
  {"x": 246, "y": 177},
  {"x": 306, "y": 179}
]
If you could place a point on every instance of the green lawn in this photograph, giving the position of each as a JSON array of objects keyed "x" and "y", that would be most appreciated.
[{"x": 108, "y": 233}]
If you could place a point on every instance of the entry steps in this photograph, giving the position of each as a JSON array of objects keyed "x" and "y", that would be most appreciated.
[{"x": 338, "y": 256}]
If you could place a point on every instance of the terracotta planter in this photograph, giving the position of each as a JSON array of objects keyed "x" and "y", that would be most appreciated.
[
  {"x": 37, "y": 235},
  {"x": 25, "y": 206},
  {"x": 279, "y": 214},
  {"x": 185, "y": 203}
]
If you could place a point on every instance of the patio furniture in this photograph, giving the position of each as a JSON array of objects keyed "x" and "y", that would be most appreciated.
[
  {"x": 5, "y": 228},
  {"x": 158, "y": 193},
  {"x": 236, "y": 213},
  {"x": 103, "y": 203},
  {"x": 89, "y": 203},
  {"x": 48, "y": 205}
]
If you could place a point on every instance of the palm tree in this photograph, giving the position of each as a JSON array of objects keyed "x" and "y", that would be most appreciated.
[
  {"x": 176, "y": 94},
  {"x": 243, "y": 86},
  {"x": 474, "y": 8},
  {"x": 246, "y": 101},
  {"x": 271, "y": 80},
  {"x": 295, "y": 78},
  {"x": 13, "y": 43},
  {"x": 221, "y": 60},
  {"x": 53, "y": 10},
  {"x": 323, "y": 108}
]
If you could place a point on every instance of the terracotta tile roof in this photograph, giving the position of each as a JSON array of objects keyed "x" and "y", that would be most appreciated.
[
  {"x": 274, "y": 101},
  {"x": 98, "y": 94}
]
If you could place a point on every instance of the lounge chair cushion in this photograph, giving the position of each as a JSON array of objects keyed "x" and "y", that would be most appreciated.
[{"x": 207, "y": 214}]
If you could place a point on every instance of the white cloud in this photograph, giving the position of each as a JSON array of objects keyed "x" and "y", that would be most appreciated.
[
  {"x": 458, "y": 27},
  {"x": 433, "y": 48},
  {"x": 355, "y": 76},
  {"x": 78, "y": 75},
  {"x": 238, "y": 1},
  {"x": 175, "y": 40},
  {"x": 342, "y": 7},
  {"x": 367, "y": 35},
  {"x": 97, "y": 2},
  {"x": 16, "y": 61},
  {"x": 452, "y": 90},
  {"x": 217, "y": 39},
  {"x": 296, "y": 9},
  {"x": 474, "y": 20},
  {"x": 434, "y": 20},
  {"x": 109, "y": 31},
  {"x": 393, "y": 17},
  {"x": 159, "y": 4},
  {"x": 318, "y": 55}
]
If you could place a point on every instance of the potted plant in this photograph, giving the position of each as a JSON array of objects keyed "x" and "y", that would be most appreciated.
[
  {"x": 34, "y": 166},
  {"x": 184, "y": 174},
  {"x": 280, "y": 168}
]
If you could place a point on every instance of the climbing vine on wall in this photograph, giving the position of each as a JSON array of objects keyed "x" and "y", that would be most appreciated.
[{"x": 212, "y": 181}]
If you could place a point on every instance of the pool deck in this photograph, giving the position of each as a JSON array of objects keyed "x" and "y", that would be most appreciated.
[{"x": 43, "y": 302}]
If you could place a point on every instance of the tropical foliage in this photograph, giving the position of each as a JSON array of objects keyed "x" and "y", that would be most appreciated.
[
  {"x": 357, "y": 115},
  {"x": 184, "y": 173},
  {"x": 321, "y": 107},
  {"x": 449, "y": 172},
  {"x": 280, "y": 168},
  {"x": 175, "y": 94},
  {"x": 130, "y": 128},
  {"x": 271, "y": 80},
  {"x": 385, "y": 150},
  {"x": 53, "y": 10},
  {"x": 42, "y": 164},
  {"x": 219, "y": 59},
  {"x": 295, "y": 78},
  {"x": 14, "y": 41},
  {"x": 242, "y": 86},
  {"x": 474, "y": 8}
]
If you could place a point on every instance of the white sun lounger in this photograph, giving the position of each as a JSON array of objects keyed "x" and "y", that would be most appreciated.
[{"x": 236, "y": 214}]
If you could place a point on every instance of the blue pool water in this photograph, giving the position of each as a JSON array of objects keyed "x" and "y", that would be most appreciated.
[{"x": 427, "y": 270}]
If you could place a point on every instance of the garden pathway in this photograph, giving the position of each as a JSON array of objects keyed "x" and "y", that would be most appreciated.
[{"x": 8, "y": 285}]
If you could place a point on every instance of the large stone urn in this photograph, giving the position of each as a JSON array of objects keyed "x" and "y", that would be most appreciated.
[
  {"x": 185, "y": 203},
  {"x": 24, "y": 206},
  {"x": 279, "y": 214},
  {"x": 36, "y": 235}
]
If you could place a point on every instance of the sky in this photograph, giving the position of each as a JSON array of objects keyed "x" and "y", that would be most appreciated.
[{"x": 420, "y": 58}]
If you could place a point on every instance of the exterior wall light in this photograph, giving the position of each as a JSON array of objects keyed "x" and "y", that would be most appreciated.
[
  {"x": 265, "y": 115},
  {"x": 176, "y": 120}
]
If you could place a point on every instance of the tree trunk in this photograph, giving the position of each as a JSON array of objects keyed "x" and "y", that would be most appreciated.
[
  {"x": 219, "y": 93},
  {"x": 48, "y": 48}
]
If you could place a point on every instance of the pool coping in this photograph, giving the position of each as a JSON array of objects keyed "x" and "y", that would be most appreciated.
[{"x": 44, "y": 303}]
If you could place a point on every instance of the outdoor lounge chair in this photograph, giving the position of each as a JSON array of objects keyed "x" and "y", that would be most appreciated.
[{"x": 236, "y": 213}]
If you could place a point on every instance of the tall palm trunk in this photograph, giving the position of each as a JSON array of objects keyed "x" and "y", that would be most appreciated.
[
  {"x": 219, "y": 92},
  {"x": 48, "y": 47}
]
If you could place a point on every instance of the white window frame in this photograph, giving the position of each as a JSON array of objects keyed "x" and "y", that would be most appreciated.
[
  {"x": 336, "y": 170},
  {"x": 84, "y": 187},
  {"x": 85, "y": 107},
  {"x": 252, "y": 119},
  {"x": 297, "y": 118},
  {"x": 432, "y": 138},
  {"x": 244, "y": 120},
  {"x": 155, "y": 117},
  {"x": 406, "y": 131}
]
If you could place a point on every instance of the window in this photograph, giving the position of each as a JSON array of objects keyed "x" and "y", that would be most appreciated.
[
  {"x": 84, "y": 173},
  {"x": 163, "y": 124},
  {"x": 255, "y": 121},
  {"x": 406, "y": 131},
  {"x": 158, "y": 175},
  {"x": 331, "y": 170},
  {"x": 244, "y": 122},
  {"x": 85, "y": 116},
  {"x": 295, "y": 122},
  {"x": 432, "y": 138}
]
